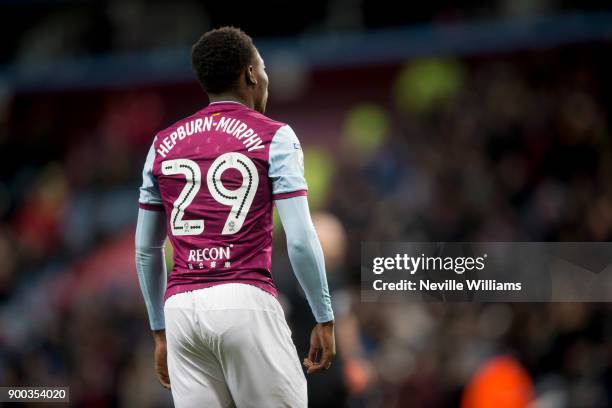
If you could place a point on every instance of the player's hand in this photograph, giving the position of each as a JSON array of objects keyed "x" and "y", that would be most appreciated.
[
  {"x": 161, "y": 360},
  {"x": 322, "y": 348}
]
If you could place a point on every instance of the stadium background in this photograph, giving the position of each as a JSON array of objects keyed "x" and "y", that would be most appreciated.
[{"x": 425, "y": 121}]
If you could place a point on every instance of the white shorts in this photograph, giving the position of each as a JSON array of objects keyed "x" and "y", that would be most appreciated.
[{"x": 229, "y": 346}]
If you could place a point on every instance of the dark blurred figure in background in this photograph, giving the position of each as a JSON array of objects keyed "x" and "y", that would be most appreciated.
[{"x": 451, "y": 129}]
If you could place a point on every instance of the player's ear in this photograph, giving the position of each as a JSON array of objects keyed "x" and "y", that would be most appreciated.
[{"x": 250, "y": 76}]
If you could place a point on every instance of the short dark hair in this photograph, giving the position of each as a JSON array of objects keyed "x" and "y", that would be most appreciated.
[{"x": 219, "y": 56}]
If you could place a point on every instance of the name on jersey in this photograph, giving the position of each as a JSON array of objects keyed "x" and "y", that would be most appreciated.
[{"x": 230, "y": 126}]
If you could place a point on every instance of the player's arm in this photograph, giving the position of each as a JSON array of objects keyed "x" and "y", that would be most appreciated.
[
  {"x": 289, "y": 190},
  {"x": 306, "y": 255},
  {"x": 307, "y": 261},
  {"x": 150, "y": 262}
]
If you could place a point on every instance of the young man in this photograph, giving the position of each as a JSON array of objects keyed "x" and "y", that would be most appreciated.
[{"x": 209, "y": 182}]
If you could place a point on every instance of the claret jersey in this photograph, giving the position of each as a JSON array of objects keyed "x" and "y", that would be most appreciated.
[{"x": 216, "y": 174}]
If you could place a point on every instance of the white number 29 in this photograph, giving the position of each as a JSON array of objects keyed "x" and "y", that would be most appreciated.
[{"x": 239, "y": 199}]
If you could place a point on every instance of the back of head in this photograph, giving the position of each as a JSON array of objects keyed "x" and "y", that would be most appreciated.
[{"x": 220, "y": 56}]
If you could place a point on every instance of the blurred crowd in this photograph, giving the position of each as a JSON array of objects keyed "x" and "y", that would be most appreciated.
[
  {"x": 499, "y": 148},
  {"x": 43, "y": 30}
]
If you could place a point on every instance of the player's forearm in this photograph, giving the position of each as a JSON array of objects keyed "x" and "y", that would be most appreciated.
[
  {"x": 306, "y": 255},
  {"x": 151, "y": 264},
  {"x": 306, "y": 258}
]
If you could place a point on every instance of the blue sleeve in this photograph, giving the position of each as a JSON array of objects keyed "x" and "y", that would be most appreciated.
[
  {"x": 151, "y": 263},
  {"x": 149, "y": 190},
  {"x": 306, "y": 255},
  {"x": 286, "y": 164}
]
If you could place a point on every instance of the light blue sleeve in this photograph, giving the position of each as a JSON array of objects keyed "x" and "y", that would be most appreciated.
[
  {"x": 151, "y": 263},
  {"x": 306, "y": 255},
  {"x": 286, "y": 162},
  {"x": 149, "y": 190}
]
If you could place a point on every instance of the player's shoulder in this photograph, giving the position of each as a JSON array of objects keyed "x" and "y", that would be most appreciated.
[{"x": 282, "y": 133}]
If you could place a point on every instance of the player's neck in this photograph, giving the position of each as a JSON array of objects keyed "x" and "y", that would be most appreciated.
[{"x": 232, "y": 98}]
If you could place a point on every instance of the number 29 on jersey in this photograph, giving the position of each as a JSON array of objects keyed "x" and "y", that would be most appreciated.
[{"x": 239, "y": 200}]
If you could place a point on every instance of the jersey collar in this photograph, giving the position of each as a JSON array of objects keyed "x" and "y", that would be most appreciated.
[{"x": 220, "y": 102}]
